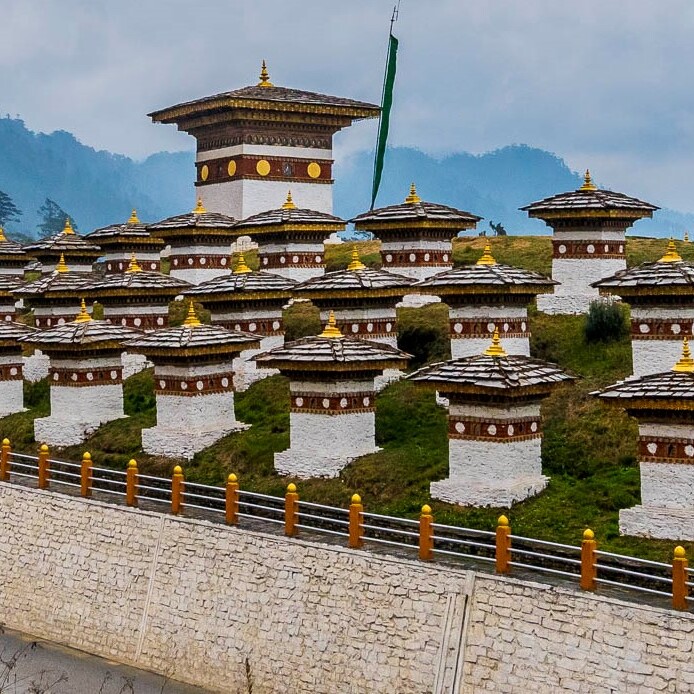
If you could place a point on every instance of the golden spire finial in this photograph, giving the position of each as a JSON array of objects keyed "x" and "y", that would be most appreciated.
[
  {"x": 486, "y": 258},
  {"x": 264, "y": 77},
  {"x": 331, "y": 329},
  {"x": 671, "y": 254},
  {"x": 289, "y": 203},
  {"x": 62, "y": 265},
  {"x": 241, "y": 267},
  {"x": 356, "y": 263},
  {"x": 83, "y": 316},
  {"x": 67, "y": 229},
  {"x": 495, "y": 349},
  {"x": 133, "y": 265},
  {"x": 133, "y": 219},
  {"x": 588, "y": 182},
  {"x": 685, "y": 363},
  {"x": 199, "y": 208},
  {"x": 2, "y": 235},
  {"x": 412, "y": 198},
  {"x": 192, "y": 319}
]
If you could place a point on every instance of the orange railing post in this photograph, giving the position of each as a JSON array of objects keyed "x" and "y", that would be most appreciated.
[
  {"x": 679, "y": 579},
  {"x": 5, "y": 460},
  {"x": 291, "y": 511},
  {"x": 426, "y": 534},
  {"x": 589, "y": 569},
  {"x": 503, "y": 546},
  {"x": 44, "y": 469},
  {"x": 177, "y": 485},
  {"x": 232, "y": 500},
  {"x": 86, "y": 475},
  {"x": 131, "y": 483},
  {"x": 356, "y": 522}
]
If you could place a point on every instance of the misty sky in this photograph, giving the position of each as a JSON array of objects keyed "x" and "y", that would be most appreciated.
[{"x": 606, "y": 84}]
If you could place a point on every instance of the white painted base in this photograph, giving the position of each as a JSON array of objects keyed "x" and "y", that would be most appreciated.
[
  {"x": 559, "y": 304},
  {"x": 306, "y": 466},
  {"x": 462, "y": 493},
  {"x": 474, "y": 346},
  {"x": 98, "y": 404},
  {"x": 60, "y": 432},
  {"x": 134, "y": 363},
  {"x": 298, "y": 274},
  {"x": 657, "y": 522},
  {"x": 178, "y": 443},
  {"x": 36, "y": 367},
  {"x": 11, "y": 397}
]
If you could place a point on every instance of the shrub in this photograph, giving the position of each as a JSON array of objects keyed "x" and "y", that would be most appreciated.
[
  {"x": 606, "y": 322},
  {"x": 301, "y": 319}
]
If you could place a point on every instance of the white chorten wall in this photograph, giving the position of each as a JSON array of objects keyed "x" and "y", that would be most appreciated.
[
  {"x": 418, "y": 259},
  {"x": 195, "y": 408},
  {"x": 375, "y": 324},
  {"x": 330, "y": 424},
  {"x": 85, "y": 393},
  {"x": 146, "y": 318},
  {"x": 298, "y": 261},
  {"x": 666, "y": 455},
  {"x": 8, "y": 309},
  {"x": 656, "y": 337},
  {"x": 471, "y": 328},
  {"x": 52, "y": 316},
  {"x": 116, "y": 262},
  {"x": 494, "y": 455},
  {"x": 11, "y": 384},
  {"x": 198, "y": 264}
]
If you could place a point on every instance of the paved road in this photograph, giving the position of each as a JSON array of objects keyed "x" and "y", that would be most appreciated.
[{"x": 40, "y": 667}]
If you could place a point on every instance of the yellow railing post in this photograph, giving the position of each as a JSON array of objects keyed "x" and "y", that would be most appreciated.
[
  {"x": 232, "y": 500},
  {"x": 679, "y": 579},
  {"x": 589, "y": 569},
  {"x": 5, "y": 460},
  {"x": 44, "y": 469},
  {"x": 356, "y": 522},
  {"x": 426, "y": 534},
  {"x": 86, "y": 475},
  {"x": 291, "y": 511},
  {"x": 177, "y": 485},
  {"x": 503, "y": 546},
  {"x": 131, "y": 483}
]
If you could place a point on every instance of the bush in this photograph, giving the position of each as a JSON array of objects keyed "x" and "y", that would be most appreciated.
[
  {"x": 301, "y": 319},
  {"x": 606, "y": 322}
]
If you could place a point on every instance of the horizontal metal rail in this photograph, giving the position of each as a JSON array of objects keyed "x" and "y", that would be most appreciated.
[
  {"x": 475, "y": 557},
  {"x": 535, "y": 567},
  {"x": 460, "y": 541},
  {"x": 633, "y": 587},
  {"x": 637, "y": 560},
  {"x": 546, "y": 543},
  {"x": 457, "y": 528}
]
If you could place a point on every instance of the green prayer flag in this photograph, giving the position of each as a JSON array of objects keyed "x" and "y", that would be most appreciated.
[{"x": 384, "y": 121}]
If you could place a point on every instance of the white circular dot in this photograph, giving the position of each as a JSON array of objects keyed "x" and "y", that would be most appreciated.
[
  {"x": 138, "y": 321},
  {"x": 299, "y": 402},
  {"x": 8, "y": 318},
  {"x": 413, "y": 257},
  {"x": 652, "y": 448},
  {"x": 562, "y": 248},
  {"x": 108, "y": 267},
  {"x": 123, "y": 321},
  {"x": 689, "y": 450},
  {"x": 318, "y": 259},
  {"x": 427, "y": 257},
  {"x": 120, "y": 266},
  {"x": 492, "y": 429},
  {"x": 367, "y": 402},
  {"x": 114, "y": 375},
  {"x": 225, "y": 382},
  {"x": 184, "y": 385},
  {"x": 56, "y": 377},
  {"x": 523, "y": 326},
  {"x": 265, "y": 261},
  {"x": 533, "y": 426},
  {"x": 326, "y": 403},
  {"x": 370, "y": 327},
  {"x": 491, "y": 327},
  {"x": 160, "y": 320},
  {"x": 621, "y": 249},
  {"x": 506, "y": 327},
  {"x": 510, "y": 429},
  {"x": 152, "y": 266},
  {"x": 203, "y": 261},
  {"x": 223, "y": 262},
  {"x": 13, "y": 371},
  {"x": 445, "y": 257},
  {"x": 389, "y": 327},
  {"x": 295, "y": 259},
  {"x": 676, "y": 328},
  {"x": 275, "y": 325},
  {"x": 355, "y": 327},
  {"x": 199, "y": 385},
  {"x": 458, "y": 327},
  {"x": 162, "y": 384},
  {"x": 48, "y": 321},
  {"x": 61, "y": 321},
  {"x": 252, "y": 327},
  {"x": 73, "y": 377},
  {"x": 644, "y": 328},
  {"x": 343, "y": 402},
  {"x": 237, "y": 326},
  {"x": 191, "y": 261},
  {"x": 90, "y": 376},
  {"x": 175, "y": 261},
  {"x": 283, "y": 260},
  {"x": 590, "y": 248},
  {"x": 607, "y": 248},
  {"x": 389, "y": 258},
  {"x": 459, "y": 427}
]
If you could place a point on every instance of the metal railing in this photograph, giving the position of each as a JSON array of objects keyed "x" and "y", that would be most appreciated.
[{"x": 584, "y": 565}]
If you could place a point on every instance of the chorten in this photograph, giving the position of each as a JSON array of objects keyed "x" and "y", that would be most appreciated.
[
  {"x": 416, "y": 236},
  {"x": 11, "y": 367},
  {"x": 86, "y": 377},
  {"x": 661, "y": 296},
  {"x": 13, "y": 257},
  {"x": 254, "y": 142},
  {"x": 200, "y": 243},
  {"x": 332, "y": 407},
  {"x": 589, "y": 226},
  {"x": 194, "y": 385},
  {"x": 74, "y": 249},
  {"x": 118, "y": 242},
  {"x": 291, "y": 239},
  {"x": 249, "y": 301},
  {"x": 485, "y": 297},
  {"x": 663, "y": 405},
  {"x": 494, "y": 425}
]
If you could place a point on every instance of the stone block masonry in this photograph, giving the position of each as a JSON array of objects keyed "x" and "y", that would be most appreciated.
[{"x": 230, "y": 609}]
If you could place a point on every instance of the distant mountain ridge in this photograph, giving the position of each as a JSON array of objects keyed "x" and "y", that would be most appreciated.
[{"x": 99, "y": 188}]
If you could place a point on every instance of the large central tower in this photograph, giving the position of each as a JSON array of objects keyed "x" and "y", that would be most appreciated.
[{"x": 256, "y": 142}]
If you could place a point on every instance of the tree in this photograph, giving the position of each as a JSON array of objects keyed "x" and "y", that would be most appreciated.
[
  {"x": 9, "y": 212},
  {"x": 498, "y": 229},
  {"x": 53, "y": 218}
]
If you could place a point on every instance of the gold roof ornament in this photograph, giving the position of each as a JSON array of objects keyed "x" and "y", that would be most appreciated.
[
  {"x": 495, "y": 349},
  {"x": 199, "y": 208},
  {"x": 83, "y": 316},
  {"x": 265, "y": 77},
  {"x": 3, "y": 238},
  {"x": 289, "y": 203},
  {"x": 62, "y": 265},
  {"x": 356, "y": 263},
  {"x": 588, "y": 182},
  {"x": 331, "y": 330},
  {"x": 685, "y": 363},
  {"x": 133, "y": 265},
  {"x": 133, "y": 219},
  {"x": 412, "y": 198},
  {"x": 67, "y": 229},
  {"x": 192, "y": 320},
  {"x": 671, "y": 254},
  {"x": 241, "y": 267},
  {"x": 487, "y": 258}
]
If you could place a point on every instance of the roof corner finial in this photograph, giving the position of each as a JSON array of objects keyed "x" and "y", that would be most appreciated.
[
  {"x": 265, "y": 77},
  {"x": 3, "y": 238},
  {"x": 199, "y": 208},
  {"x": 133, "y": 265},
  {"x": 331, "y": 329},
  {"x": 83, "y": 316},
  {"x": 356, "y": 263},
  {"x": 67, "y": 229},
  {"x": 192, "y": 319},
  {"x": 241, "y": 267},
  {"x": 588, "y": 182},
  {"x": 289, "y": 203},
  {"x": 487, "y": 258},
  {"x": 495, "y": 349},
  {"x": 413, "y": 198},
  {"x": 62, "y": 265},
  {"x": 685, "y": 363},
  {"x": 133, "y": 219},
  {"x": 671, "y": 254}
]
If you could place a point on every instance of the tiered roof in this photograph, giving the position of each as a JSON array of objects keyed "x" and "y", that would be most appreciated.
[
  {"x": 11, "y": 252},
  {"x": 199, "y": 220},
  {"x": 11, "y": 332},
  {"x": 132, "y": 233},
  {"x": 66, "y": 243},
  {"x": 61, "y": 282}
]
